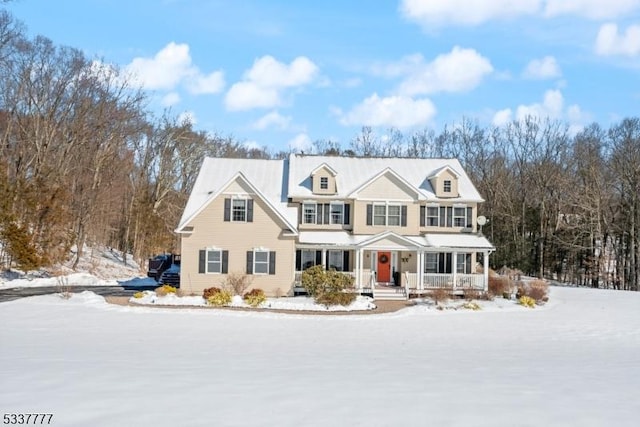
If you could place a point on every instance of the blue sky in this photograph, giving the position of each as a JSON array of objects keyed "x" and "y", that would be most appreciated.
[{"x": 281, "y": 73}]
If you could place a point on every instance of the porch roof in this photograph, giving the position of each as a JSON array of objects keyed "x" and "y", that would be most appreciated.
[{"x": 426, "y": 242}]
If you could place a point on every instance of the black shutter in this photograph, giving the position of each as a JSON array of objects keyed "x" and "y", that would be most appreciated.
[
  {"x": 347, "y": 214},
  {"x": 443, "y": 216},
  {"x": 319, "y": 215},
  {"x": 318, "y": 257},
  {"x": 345, "y": 261},
  {"x": 468, "y": 264},
  {"x": 369, "y": 214},
  {"x": 469, "y": 217},
  {"x": 448, "y": 263},
  {"x": 298, "y": 260},
  {"x": 249, "y": 262},
  {"x": 272, "y": 263},
  {"x": 327, "y": 212},
  {"x": 449, "y": 216},
  {"x": 225, "y": 262},
  {"x": 202, "y": 259},
  {"x": 423, "y": 214},
  {"x": 227, "y": 209},
  {"x": 403, "y": 216},
  {"x": 441, "y": 267},
  {"x": 250, "y": 210}
]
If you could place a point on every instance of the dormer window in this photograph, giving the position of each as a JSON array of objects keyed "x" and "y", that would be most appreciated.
[
  {"x": 324, "y": 183},
  {"x": 447, "y": 186},
  {"x": 239, "y": 210}
]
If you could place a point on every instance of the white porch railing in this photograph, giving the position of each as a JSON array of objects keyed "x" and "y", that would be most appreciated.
[
  {"x": 470, "y": 281},
  {"x": 410, "y": 280},
  {"x": 437, "y": 281}
]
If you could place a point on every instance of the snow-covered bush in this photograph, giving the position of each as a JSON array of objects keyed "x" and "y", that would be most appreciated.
[
  {"x": 535, "y": 289},
  {"x": 255, "y": 297}
]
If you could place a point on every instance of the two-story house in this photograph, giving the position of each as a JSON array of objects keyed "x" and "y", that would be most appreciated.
[{"x": 397, "y": 225}]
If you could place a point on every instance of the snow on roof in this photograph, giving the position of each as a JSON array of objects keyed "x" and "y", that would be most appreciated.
[
  {"x": 353, "y": 172},
  {"x": 460, "y": 241},
  {"x": 269, "y": 177}
]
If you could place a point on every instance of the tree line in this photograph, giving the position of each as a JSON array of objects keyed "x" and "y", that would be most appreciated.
[{"x": 83, "y": 161}]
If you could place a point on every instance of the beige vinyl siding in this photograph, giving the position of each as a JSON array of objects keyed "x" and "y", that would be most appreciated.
[
  {"x": 316, "y": 179},
  {"x": 360, "y": 226},
  {"x": 210, "y": 230},
  {"x": 438, "y": 184},
  {"x": 386, "y": 187}
]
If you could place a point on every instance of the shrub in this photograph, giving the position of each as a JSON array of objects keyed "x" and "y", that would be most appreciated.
[
  {"x": 138, "y": 295},
  {"x": 255, "y": 297},
  {"x": 209, "y": 292},
  {"x": 165, "y": 290},
  {"x": 327, "y": 287},
  {"x": 471, "y": 294},
  {"x": 538, "y": 290},
  {"x": 439, "y": 295},
  {"x": 499, "y": 285},
  {"x": 237, "y": 283},
  {"x": 527, "y": 301},
  {"x": 471, "y": 306},
  {"x": 220, "y": 299}
]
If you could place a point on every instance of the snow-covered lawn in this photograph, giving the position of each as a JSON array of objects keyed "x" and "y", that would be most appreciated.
[{"x": 574, "y": 362}]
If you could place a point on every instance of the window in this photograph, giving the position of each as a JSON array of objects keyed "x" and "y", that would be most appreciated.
[
  {"x": 393, "y": 215},
  {"x": 431, "y": 262},
  {"x": 214, "y": 261},
  {"x": 260, "y": 262},
  {"x": 447, "y": 186},
  {"x": 239, "y": 210},
  {"x": 337, "y": 213},
  {"x": 379, "y": 215},
  {"x": 308, "y": 258},
  {"x": 433, "y": 216},
  {"x": 324, "y": 183},
  {"x": 460, "y": 216},
  {"x": 336, "y": 260},
  {"x": 309, "y": 213},
  {"x": 463, "y": 263}
]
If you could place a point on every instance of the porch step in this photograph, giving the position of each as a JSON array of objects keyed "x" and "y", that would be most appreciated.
[{"x": 389, "y": 294}]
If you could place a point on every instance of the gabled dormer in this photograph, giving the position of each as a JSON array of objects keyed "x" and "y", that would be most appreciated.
[
  {"x": 323, "y": 180},
  {"x": 445, "y": 182}
]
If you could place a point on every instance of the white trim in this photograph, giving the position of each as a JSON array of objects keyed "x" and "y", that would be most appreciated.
[
  {"x": 253, "y": 267},
  {"x": 419, "y": 195},
  {"x": 206, "y": 261},
  {"x": 324, "y": 165}
]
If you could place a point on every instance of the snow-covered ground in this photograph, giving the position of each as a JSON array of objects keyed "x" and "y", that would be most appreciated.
[{"x": 573, "y": 362}]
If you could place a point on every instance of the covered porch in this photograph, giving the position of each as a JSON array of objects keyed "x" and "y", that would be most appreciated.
[{"x": 396, "y": 266}]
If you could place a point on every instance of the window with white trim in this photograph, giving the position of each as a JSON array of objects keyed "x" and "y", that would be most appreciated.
[
  {"x": 430, "y": 262},
  {"x": 460, "y": 216},
  {"x": 309, "y": 213},
  {"x": 336, "y": 260},
  {"x": 387, "y": 214},
  {"x": 379, "y": 215},
  {"x": 337, "y": 212},
  {"x": 308, "y": 258},
  {"x": 260, "y": 262},
  {"x": 238, "y": 210},
  {"x": 393, "y": 215},
  {"x": 461, "y": 263},
  {"x": 433, "y": 216},
  {"x": 214, "y": 261},
  {"x": 447, "y": 186},
  {"x": 324, "y": 183}
]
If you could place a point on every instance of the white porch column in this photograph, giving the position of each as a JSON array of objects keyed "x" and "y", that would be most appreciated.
[
  {"x": 454, "y": 268},
  {"x": 485, "y": 269},
  {"x": 357, "y": 269},
  {"x": 420, "y": 270},
  {"x": 324, "y": 258}
]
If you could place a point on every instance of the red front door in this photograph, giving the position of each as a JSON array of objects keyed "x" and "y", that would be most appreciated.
[{"x": 384, "y": 266}]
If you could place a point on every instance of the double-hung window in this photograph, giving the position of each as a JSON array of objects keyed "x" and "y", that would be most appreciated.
[
  {"x": 447, "y": 186},
  {"x": 309, "y": 211},
  {"x": 393, "y": 215},
  {"x": 463, "y": 263},
  {"x": 214, "y": 261},
  {"x": 260, "y": 262},
  {"x": 336, "y": 260},
  {"x": 431, "y": 262},
  {"x": 324, "y": 183},
  {"x": 379, "y": 215},
  {"x": 337, "y": 212},
  {"x": 460, "y": 216},
  {"x": 239, "y": 210},
  {"x": 387, "y": 215},
  {"x": 433, "y": 216}
]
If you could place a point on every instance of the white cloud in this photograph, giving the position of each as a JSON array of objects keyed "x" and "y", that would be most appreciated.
[
  {"x": 465, "y": 12},
  {"x": 252, "y": 145},
  {"x": 187, "y": 116},
  {"x": 301, "y": 142},
  {"x": 540, "y": 69},
  {"x": 272, "y": 119},
  {"x": 457, "y": 71},
  {"x": 552, "y": 107},
  {"x": 170, "y": 67},
  {"x": 431, "y": 13},
  {"x": 264, "y": 83},
  {"x": 170, "y": 99},
  {"x": 397, "y": 111},
  {"x": 592, "y": 9},
  {"x": 610, "y": 42}
]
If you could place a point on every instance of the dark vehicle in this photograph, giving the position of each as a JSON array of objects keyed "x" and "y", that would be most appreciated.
[
  {"x": 171, "y": 276},
  {"x": 160, "y": 263}
]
